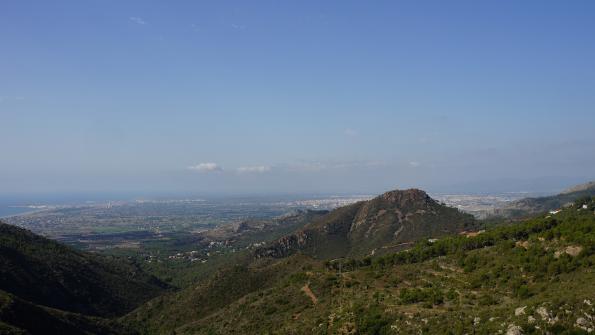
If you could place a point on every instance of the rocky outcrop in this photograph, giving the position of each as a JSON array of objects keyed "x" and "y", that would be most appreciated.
[
  {"x": 514, "y": 330},
  {"x": 283, "y": 247},
  {"x": 407, "y": 198}
]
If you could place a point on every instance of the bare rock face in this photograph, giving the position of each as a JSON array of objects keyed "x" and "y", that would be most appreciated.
[
  {"x": 514, "y": 330},
  {"x": 520, "y": 311},
  {"x": 284, "y": 246},
  {"x": 584, "y": 324},
  {"x": 407, "y": 198}
]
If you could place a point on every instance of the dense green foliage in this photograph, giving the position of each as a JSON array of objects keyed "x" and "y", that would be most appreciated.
[
  {"x": 44, "y": 285},
  {"x": 18, "y": 316},
  {"x": 425, "y": 250},
  {"x": 48, "y": 273},
  {"x": 200, "y": 300},
  {"x": 536, "y": 275}
]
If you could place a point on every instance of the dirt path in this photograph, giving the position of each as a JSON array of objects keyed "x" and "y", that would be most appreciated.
[{"x": 310, "y": 294}]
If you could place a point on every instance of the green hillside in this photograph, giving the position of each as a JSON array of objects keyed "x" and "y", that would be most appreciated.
[
  {"x": 48, "y": 273},
  {"x": 531, "y": 277},
  {"x": 532, "y": 206},
  {"x": 240, "y": 237},
  {"x": 389, "y": 222},
  {"x": 354, "y": 270},
  {"x": 18, "y": 316}
]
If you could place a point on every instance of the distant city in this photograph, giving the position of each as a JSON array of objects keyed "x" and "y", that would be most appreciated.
[{"x": 67, "y": 221}]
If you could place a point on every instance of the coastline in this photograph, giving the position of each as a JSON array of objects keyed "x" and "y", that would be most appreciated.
[{"x": 30, "y": 211}]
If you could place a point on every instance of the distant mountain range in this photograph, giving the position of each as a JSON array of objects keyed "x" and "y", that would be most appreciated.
[{"x": 531, "y": 206}]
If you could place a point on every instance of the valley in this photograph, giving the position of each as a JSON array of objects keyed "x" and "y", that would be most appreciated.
[
  {"x": 400, "y": 262},
  {"x": 297, "y": 167}
]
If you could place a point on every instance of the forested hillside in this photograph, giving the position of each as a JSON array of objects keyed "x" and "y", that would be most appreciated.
[
  {"x": 49, "y": 288},
  {"x": 531, "y": 277},
  {"x": 389, "y": 222}
]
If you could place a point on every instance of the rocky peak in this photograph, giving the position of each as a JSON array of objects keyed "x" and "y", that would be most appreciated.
[
  {"x": 390, "y": 221},
  {"x": 403, "y": 198}
]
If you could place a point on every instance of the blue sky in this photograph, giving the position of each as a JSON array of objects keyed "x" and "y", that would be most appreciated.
[{"x": 300, "y": 96}]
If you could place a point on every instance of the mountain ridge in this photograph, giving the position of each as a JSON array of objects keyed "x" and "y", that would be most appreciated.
[
  {"x": 536, "y": 205},
  {"x": 385, "y": 223},
  {"x": 529, "y": 277},
  {"x": 48, "y": 273}
]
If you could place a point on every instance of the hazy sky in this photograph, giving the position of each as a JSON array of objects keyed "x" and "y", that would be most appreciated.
[{"x": 294, "y": 96}]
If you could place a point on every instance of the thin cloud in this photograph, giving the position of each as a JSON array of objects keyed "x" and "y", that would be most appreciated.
[
  {"x": 414, "y": 164},
  {"x": 254, "y": 169},
  {"x": 137, "y": 20},
  {"x": 206, "y": 167}
]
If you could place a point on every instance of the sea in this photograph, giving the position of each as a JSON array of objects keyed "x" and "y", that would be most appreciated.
[
  {"x": 12, "y": 210},
  {"x": 11, "y": 205}
]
